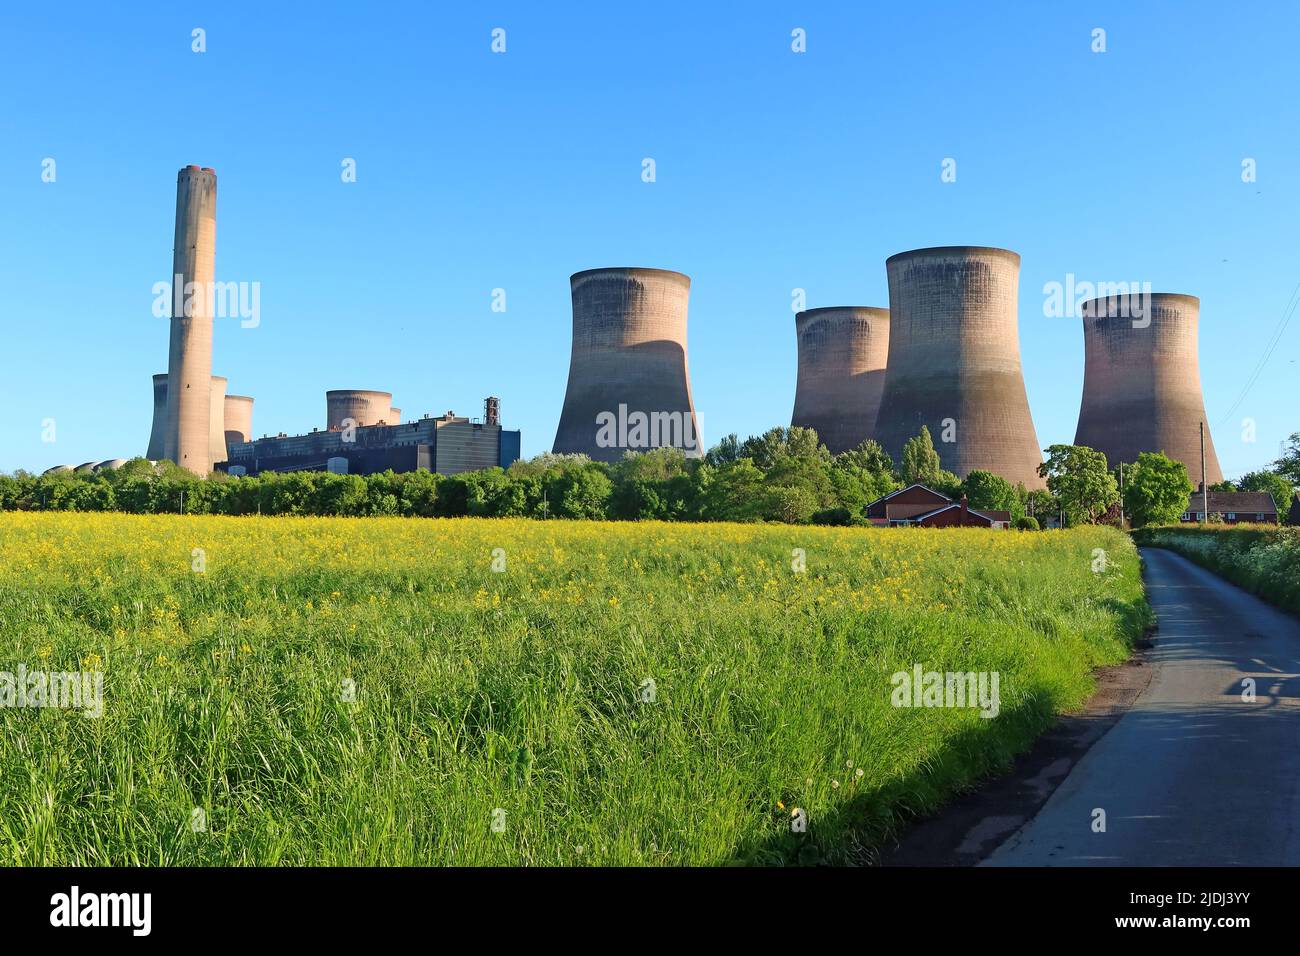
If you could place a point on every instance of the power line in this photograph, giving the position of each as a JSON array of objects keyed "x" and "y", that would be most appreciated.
[{"x": 1289, "y": 311}]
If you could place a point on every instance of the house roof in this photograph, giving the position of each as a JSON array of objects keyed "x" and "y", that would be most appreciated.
[
  {"x": 1247, "y": 502},
  {"x": 906, "y": 512},
  {"x": 915, "y": 484},
  {"x": 989, "y": 516}
]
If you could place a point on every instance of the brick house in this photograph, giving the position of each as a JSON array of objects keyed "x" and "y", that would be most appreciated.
[
  {"x": 1233, "y": 507},
  {"x": 926, "y": 508}
]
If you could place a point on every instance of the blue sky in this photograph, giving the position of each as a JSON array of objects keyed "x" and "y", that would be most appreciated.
[{"x": 477, "y": 171}]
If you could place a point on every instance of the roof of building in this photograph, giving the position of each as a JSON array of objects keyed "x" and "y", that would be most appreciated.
[
  {"x": 906, "y": 512},
  {"x": 915, "y": 484},
  {"x": 990, "y": 516},
  {"x": 1224, "y": 502}
]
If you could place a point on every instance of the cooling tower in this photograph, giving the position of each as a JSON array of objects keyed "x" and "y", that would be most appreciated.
[
  {"x": 157, "y": 434},
  {"x": 1142, "y": 381},
  {"x": 394, "y": 416},
  {"x": 364, "y": 407},
  {"x": 842, "y": 354},
  {"x": 187, "y": 440},
  {"x": 238, "y": 419},
  {"x": 629, "y": 388},
  {"x": 217, "y": 420},
  {"x": 954, "y": 362}
]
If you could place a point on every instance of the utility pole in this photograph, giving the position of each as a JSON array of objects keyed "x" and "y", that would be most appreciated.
[
  {"x": 1205, "y": 489},
  {"x": 1121, "y": 494},
  {"x": 182, "y": 501}
]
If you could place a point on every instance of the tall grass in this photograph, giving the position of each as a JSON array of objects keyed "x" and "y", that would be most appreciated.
[
  {"x": 618, "y": 694},
  {"x": 1264, "y": 561}
]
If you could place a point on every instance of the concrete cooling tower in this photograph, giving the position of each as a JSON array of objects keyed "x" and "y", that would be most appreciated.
[
  {"x": 394, "y": 416},
  {"x": 362, "y": 406},
  {"x": 842, "y": 353},
  {"x": 1142, "y": 381},
  {"x": 217, "y": 420},
  {"x": 629, "y": 388},
  {"x": 238, "y": 424},
  {"x": 157, "y": 433},
  {"x": 187, "y": 439},
  {"x": 954, "y": 362}
]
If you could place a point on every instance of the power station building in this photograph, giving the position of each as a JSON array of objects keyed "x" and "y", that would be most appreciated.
[
  {"x": 629, "y": 388},
  {"x": 954, "y": 362},
  {"x": 449, "y": 444},
  {"x": 1142, "y": 381},
  {"x": 842, "y": 354}
]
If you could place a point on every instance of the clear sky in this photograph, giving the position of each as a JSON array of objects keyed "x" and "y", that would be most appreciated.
[{"x": 475, "y": 171}]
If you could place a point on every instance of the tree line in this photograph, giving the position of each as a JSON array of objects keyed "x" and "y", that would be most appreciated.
[{"x": 783, "y": 475}]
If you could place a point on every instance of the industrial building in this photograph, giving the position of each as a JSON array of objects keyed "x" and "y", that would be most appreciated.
[
  {"x": 448, "y": 444},
  {"x": 629, "y": 386},
  {"x": 1142, "y": 381},
  {"x": 842, "y": 354},
  {"x": 954, "y": 362}
]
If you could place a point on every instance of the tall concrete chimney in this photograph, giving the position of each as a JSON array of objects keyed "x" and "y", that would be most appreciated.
[
  {"x": 362, "y": 406},
  {"x": 842, "y": 353},
  {"x": 238, "y": 419},
  {"x": 954, "y": 362},
  {"x": 157, "y": 434},
  {"x": 1142, "y": 381},
  {"x": 629, "y": 386},
  {"x": 187, "y": 440}
]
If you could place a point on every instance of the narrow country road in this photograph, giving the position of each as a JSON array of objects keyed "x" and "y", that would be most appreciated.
[{"x": 1192, "y": 775}]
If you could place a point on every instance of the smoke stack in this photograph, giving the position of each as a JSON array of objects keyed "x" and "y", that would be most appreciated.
[
  {"x": 238, "y": 419},
  {"x": 157, "y": 434},
  {"x": 187, "y": 440},
  {"x": 629, "y": 388},
  {"x": 954, "y": 362},
  {"x": 492, "y": 410},
  {"x": 363, "y": 406},
  {"x": 842, "y": 353},
  {"x": 1142, "y": 381}
]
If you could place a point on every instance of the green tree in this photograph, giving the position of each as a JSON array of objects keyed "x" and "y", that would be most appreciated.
[
  {"x": 989, "y": 491},
  {"x": 1278, "y": 487},
  {"x": 920, "y": 460},
  {"x": 1288, "y": 466},
  {"x": 1156, "y": 489},
  {"x": 1080, "y": 481}
]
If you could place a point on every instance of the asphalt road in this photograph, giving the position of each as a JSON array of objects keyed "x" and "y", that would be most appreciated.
[{"x": 1192, "y": 775}]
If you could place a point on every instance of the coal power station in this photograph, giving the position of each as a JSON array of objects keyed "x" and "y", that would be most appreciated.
[
  {"x": 448, "y": 444},
  {"x": 629, "y": 387},
  {"x": 954, "y": 362},
  {"x": 842, "y": 354},
  {"x": 1142, "y": 381}
]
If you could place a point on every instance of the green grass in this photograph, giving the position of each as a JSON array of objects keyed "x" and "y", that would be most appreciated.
[{"x": 521, "y": 691}]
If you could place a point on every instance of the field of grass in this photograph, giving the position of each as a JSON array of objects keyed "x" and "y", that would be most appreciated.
[
  {"x": 1263, "y": 560},
  {"x": 371, "y": 691}
]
